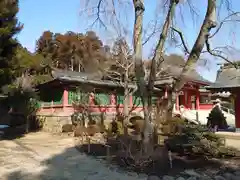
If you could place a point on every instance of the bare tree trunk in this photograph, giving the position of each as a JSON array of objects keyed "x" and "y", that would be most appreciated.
[
  {"x": 208, "y": 24},
  {"x": 126, "y": 101},
  {"x": 159, "y": 51},
  {"x": 27, "y": 125},
  {"x": 139, "y": 69},
  {"x": 71, "y": 64},
  {"x": 79, "y": 67}
]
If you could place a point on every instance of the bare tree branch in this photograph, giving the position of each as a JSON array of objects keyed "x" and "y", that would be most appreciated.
[
  {"x": 182, "y": 39},
  {"x": 218, "y": 55},
  {"x": 154, "y": 31},
  {"x": 98, "y": 19},
  {"x": 225, "y": 20},
  {"x": 208, "y": 24}
]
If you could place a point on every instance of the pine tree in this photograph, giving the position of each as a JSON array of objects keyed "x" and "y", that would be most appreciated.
[
  {"x": 217, "y": 118},
  {"x": 9, "y": 27}
]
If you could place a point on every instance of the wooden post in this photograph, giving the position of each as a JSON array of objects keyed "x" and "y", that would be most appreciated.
[
  {"x": 89, "y": 145},
  {"x": 170, "y": 159},
  {"x": 108, "y": 152},
  {"x": 197, "y": 116}
]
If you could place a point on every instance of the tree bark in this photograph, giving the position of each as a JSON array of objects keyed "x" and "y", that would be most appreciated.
[
  {"x": 139, "y": 69},
  {"x": 208, "y": 24},
  {"x": 126, "y": 101}
]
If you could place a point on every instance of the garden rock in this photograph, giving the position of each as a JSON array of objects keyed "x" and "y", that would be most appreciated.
[
  {"x": 219, "y": 178},
  {"x": 228, "y": 176},
  {"x": 237, "y": 173},
  {"x": 235, "y": 177},
  {"x": 180, "y": 178},
  {"x": 192, "y": 178},
  {"x": 191, "y": 172},
  {"x": 153, "y": 178},
  {"x": 168, "y": 178}
]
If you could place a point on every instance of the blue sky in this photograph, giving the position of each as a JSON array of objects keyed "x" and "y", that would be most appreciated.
[{"x": 62, "y": 15}]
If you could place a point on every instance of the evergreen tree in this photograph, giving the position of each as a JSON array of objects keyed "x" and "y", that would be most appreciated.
[
  {"x": 217, "y": 118},
  {"x": 9, "y": 27}
]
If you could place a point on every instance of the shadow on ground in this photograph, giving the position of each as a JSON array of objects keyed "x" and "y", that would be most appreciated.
[
  {"x": 18, "y": 131},
  {"x": 158, "y": 167},
  {"x": 76, "y": 163},
  {"x": 11, "y": 133}
]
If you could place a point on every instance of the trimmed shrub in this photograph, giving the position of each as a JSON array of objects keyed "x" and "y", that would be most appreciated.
[
  {"x": 217, "y": 118},
  {"x": 173, "y": 126},
  {"x": 197, "y": 140}
]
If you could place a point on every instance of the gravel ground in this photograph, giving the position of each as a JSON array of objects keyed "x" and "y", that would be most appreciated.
[{"x": 41, "y": 156}]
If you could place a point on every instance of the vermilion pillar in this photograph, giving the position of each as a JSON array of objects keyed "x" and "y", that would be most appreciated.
[
  {"x": 237, "y": 112},
  {"x": 166, "y": 93},
  {"x": 197, "y": 99},
  {"x": 113, "y": 99},
  {"x": 65, "y": 97},
  {"x": 177, "y": 102},
  {"x": 113, "y": 102},
  {"x": 130, "y": 101}
]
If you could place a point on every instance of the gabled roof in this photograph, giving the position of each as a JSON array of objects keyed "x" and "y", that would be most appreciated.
[
  {"x": 167, "y": 76},
  {"x": 82, "y": 78},
  {"x": 227, "y": 78}
]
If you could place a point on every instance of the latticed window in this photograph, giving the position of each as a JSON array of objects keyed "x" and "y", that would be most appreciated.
[
  {"x": 78, "y": 97},
  {"x": 57, "y": 97},
  {"x": 120, "y": 99},
  {"x": 102, "y": 99},
  {"x": 154, "y": 100},
  {"x": 137, "y": 101}
]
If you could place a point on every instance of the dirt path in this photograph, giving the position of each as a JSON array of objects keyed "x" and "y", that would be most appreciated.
[{"x": 41, "y": 156}]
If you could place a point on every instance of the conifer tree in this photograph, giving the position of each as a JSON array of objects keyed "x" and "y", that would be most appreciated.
[
  {"x": 9, "y": 27},
  {"x": 217, "y": 118}
]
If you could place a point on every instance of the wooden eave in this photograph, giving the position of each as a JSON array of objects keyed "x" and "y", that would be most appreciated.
[{"x": 88, "y": 85}]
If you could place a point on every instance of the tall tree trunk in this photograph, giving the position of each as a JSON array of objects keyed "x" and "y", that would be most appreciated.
[
  {"x": 208, "y": 24},
  {"x": 126, "y": 101},
  {"x": 139, "y": 69},
  {"x": 72, "y": 64},
  {"x": 158, "y": 53}
]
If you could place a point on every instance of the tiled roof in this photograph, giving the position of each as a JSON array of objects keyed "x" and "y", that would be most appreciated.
[
  {"x": 169, "y": 73},
  {"x": 90, "y": 78},
  {"x": 226, "y": 78}
]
